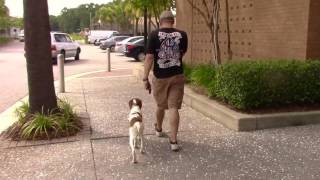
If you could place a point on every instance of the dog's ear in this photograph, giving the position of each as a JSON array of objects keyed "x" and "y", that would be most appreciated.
[
  {"x": 139, "y": 102},
  {"x": 130, "y": 103}
]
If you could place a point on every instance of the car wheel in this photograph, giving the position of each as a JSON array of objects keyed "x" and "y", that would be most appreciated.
[
  {"x": 141, "y": 56},
  {"x": 112, "y": 48},
  {"x": 77, "y": 57}
]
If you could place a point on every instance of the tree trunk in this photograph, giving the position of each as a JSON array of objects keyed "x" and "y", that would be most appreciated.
[
  {"x": 157, "y": 22},
  {"x": 228, "y": 31},
  {"x": 149, "y": 23},
  {"x": 42, "y": 95},
  {"x": 136, "y": 26},
  {"x": 216, "y": 31}
]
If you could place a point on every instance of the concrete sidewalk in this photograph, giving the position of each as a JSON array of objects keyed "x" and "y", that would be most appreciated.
[{"x": 209, "y": 151}]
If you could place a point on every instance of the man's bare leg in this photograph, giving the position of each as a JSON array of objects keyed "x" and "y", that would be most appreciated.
[
  {"x": 174, "y": 123},
  {"x": 160, "y": 115}
]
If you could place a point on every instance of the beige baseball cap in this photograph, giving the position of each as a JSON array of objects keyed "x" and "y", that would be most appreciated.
[{"x": 166, "y": 16}]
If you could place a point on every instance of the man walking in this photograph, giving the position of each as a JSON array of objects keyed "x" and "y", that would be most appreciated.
[{"x": 166, "y": 47}]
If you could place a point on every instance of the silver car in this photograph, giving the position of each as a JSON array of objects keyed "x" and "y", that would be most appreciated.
[
  {"x": 61, "y": 43},
  {"x": 120, "y": 46},
  {"x": 111, "y": 42}
]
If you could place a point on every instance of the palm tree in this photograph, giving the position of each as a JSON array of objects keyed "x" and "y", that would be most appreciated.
[
  {"x": 105, "y": 13},
  {"x": 155, "y": 7},
  {"x": 42, "y": 95},
  {"x": 116, "y": 12},
  {"x": 133, "y": 8}
]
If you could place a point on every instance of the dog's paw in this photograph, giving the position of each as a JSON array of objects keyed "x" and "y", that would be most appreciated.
[
  {"x": 142, "y": 151},
  {"x": 134, "y": 161}
]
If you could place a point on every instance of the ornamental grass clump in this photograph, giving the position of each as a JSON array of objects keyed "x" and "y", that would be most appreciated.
[{"x": 61, "y": 122}]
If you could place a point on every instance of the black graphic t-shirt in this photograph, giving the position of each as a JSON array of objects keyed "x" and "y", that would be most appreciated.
[{"x": 168, "y": 45}]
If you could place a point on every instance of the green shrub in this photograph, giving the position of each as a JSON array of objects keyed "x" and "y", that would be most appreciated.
[
  {"x": 255, "y": 84},
  {"x": 75, "y": 36},
  {"x": 187, "y": 70},
  {"x": 4, "y": 40},
  {"x": 203, "y": 75}
]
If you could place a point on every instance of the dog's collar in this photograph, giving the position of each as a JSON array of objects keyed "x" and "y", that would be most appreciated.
[
  {"x": 137, "y": 113},
  {"x": 134, "y": 120}
]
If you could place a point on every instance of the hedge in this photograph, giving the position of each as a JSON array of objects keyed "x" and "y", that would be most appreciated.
[
  {"x": 4, "y": 40},
  {"x": 76, "y": 37},
  {"x": 258, "y": 84}
]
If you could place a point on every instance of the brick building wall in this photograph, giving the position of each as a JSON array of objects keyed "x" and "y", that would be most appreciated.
[{"x": 257, "y": 30}]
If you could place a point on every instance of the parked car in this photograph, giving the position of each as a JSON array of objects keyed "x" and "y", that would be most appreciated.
[
  {"x": 61, "y": 43},
  {"x": 21, "y": 36},
  {"x": 111, "y": 42},
  {"x": 135, "y": 50},
  {"x": 98, "y": 41},
  {"x": 94, "y": 35},
  {"x": 120, "y": 46}
]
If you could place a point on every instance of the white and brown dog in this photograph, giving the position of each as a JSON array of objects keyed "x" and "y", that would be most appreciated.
[{"x": 136, "y": 126}]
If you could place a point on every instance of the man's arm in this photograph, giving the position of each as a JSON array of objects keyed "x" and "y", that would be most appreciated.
[
  {"x": 147, "y": 66},
  {"x": 149, "y": 60}
]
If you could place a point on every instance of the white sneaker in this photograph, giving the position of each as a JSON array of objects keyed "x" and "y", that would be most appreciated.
[
  {"x": 159, "y": 134},
  {"x": 174, "y": 146}
]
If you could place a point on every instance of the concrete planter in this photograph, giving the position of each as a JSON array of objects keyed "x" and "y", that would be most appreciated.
[
  {"x": 240, "y": 121},
  {"x": 246, "y": 122}
]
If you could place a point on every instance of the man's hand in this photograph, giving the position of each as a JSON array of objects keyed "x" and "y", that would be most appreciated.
[
  {"x": 147, "y": 67},
  {"x": 147, "y": 85}
]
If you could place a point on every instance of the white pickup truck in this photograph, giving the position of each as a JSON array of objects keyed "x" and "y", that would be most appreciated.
[{"x": 94, "y": 35}]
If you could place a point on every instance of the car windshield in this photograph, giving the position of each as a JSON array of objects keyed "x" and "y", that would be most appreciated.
[
  {"x": 120, "y": 38},
  {"x": 68, "y": 38},
  {"x": 139, "y": 41},
  {"x": 134, "y": 39}
]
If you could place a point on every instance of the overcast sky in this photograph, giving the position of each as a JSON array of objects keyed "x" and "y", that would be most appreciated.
[{"x": 55, "y": 6}]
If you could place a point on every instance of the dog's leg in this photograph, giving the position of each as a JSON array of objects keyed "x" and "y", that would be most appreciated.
[
  {"x": 133, "y": 153},
  {"x": 135, "y": 143},
  {"x": 141, "y": 144}
]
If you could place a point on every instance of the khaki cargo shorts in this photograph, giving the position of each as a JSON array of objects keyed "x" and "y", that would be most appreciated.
[{"x": 168, "y": 92}]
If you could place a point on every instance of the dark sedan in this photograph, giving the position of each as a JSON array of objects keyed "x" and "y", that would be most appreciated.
[{"x": 135, "y": 50}]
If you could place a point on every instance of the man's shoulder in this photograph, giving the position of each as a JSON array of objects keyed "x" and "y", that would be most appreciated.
[
  {"x": 155, "y": 32},
  {"x": 183, "y": 33}
]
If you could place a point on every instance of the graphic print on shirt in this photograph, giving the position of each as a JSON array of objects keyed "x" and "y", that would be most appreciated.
[{"x": 169, "y": 53}]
